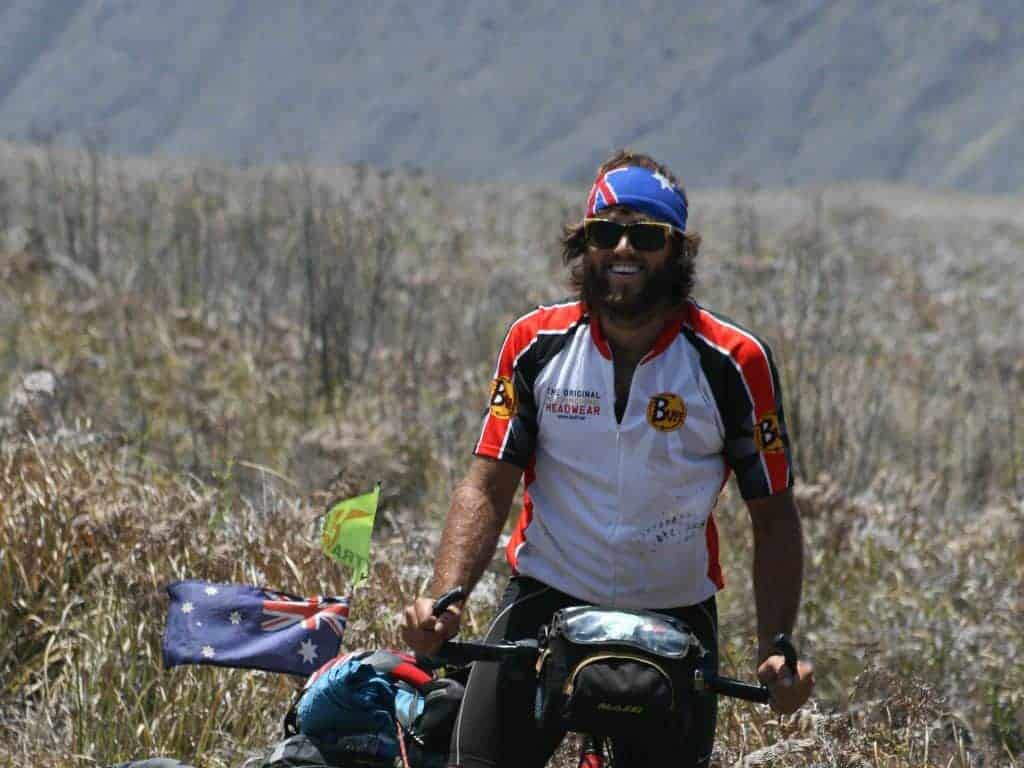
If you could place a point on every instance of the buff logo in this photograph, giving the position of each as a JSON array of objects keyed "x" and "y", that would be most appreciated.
[
  {"x": 666, "y": 412},
  {"x": 503, "y": 398},
  {"x": 572, "y": 404},
  {"x": 768, "y": 434}
]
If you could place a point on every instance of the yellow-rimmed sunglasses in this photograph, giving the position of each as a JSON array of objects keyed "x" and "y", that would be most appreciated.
[{"x": 642, "y": 235}]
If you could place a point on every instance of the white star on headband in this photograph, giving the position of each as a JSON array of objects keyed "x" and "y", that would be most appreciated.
[{"x": 663, "y": 181}]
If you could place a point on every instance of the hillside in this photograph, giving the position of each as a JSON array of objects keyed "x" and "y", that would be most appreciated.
[
  {"x": 194, "y": 359},
  {"x": 810, "y": 91}
]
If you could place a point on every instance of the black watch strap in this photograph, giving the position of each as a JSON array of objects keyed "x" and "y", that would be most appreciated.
[{"x": 782, "y": 645}]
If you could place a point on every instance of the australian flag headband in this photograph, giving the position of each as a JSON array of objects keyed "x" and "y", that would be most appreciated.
[{"x": 641, "y": 189}]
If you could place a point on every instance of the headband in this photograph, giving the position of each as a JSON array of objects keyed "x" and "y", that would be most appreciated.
[{"x": 641, "y": 189}]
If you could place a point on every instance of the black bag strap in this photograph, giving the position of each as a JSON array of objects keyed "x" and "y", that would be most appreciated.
[{"x": 291, "y": 717}]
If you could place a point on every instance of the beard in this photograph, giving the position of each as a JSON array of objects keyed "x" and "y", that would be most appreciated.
[{"x": 629, "y": 305}]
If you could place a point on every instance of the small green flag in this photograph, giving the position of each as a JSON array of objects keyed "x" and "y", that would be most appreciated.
[{"x": 345, "y": 534}]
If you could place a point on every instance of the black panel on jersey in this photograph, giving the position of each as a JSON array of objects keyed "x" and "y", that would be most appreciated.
[
  {"x": 736, "y": 410},
  {"x": 544, "y": 349},
  {"x": 522, "y": 439}
]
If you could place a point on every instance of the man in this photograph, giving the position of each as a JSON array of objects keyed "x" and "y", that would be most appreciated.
[{"x": 626, "y": 411}]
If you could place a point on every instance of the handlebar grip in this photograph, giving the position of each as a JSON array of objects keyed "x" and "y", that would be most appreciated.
[
  {"x": 783, "y": 645},
  {"x": 705, "y": 680},
  {"x": 521, "y": 654},
  {"x": 457, "y": 654}
]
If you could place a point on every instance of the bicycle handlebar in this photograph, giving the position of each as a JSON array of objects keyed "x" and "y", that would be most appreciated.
[
  {"x": 459, "y": 653},
  {"x": 524, "y": 655},
  {"x": 706, "y": 680}
]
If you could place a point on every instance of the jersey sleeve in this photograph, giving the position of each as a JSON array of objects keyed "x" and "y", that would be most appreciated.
[
  {"x": 509, "y": 430},
  {"x": 757, "y": 447}
]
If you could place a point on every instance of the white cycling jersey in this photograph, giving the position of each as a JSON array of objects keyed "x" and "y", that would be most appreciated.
[{"x": 620, "y": 513}]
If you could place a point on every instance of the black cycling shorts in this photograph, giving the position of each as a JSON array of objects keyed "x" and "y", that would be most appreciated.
[{"x": 496, "y": 725}]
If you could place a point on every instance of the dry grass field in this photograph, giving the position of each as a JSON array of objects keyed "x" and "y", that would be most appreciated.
[{"x": 230, "y": 349}]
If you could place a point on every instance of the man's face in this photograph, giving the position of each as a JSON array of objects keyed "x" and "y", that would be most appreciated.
[{"x": 626, "y": 284}]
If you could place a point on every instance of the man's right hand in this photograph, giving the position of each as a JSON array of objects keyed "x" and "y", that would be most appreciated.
[
  {"x": 424, "y": 632},
  {"x": 789, "y": 690}
]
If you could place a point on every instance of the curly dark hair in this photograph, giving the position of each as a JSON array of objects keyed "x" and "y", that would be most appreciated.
[{"x": 684, "y": 246}]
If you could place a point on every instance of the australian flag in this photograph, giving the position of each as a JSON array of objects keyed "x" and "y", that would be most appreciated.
[{"x": 237, "y": 625}]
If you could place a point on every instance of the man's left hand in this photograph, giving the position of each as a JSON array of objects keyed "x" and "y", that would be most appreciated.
[{"x": 789, "y": 691}]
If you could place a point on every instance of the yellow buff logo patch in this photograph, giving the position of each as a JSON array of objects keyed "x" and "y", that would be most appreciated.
[
  {"x": 768, "y": 434},
  {"x": 503, "y": 398},
  {"x": 666, "y": 412}
]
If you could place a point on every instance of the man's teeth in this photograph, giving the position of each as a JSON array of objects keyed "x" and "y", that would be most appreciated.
[{"x": 624, "y": 269}]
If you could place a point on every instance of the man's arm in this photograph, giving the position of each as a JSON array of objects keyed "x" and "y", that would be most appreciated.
[
  {"x": 778, "y": 576},
  {"x": 778, "y": 566},
  {"x": 479, "y": 508}
]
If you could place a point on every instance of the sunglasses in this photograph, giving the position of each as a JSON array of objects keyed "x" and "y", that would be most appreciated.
[{"x": 642, "y": 235}]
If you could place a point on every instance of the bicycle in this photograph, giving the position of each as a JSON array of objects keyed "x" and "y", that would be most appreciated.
[{"x": 554, "y": 696}]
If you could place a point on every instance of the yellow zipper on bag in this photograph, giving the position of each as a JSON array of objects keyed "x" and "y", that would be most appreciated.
[{"x": 541, "y": 659}]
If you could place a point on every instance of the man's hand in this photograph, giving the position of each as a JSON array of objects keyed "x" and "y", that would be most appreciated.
[
  {"x": 789, "y": 691},
  {"x": 424, "y": 632}
]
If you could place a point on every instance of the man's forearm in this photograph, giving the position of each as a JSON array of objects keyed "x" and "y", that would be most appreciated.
[
  {"x": 778, "y": 571},
  {"x": 470, "y": 536}
]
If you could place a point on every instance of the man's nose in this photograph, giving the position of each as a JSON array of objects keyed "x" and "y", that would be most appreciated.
[{"x": 624, "y": 246}]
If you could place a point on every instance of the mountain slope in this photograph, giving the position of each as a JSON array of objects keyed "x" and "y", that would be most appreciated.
[{"x": 777, "y": 92}]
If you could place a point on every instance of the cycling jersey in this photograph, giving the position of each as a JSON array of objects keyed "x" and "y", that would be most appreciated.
[{"x": 620, "y": 513}]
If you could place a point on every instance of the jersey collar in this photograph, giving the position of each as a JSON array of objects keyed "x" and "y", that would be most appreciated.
[{"x": 668, "y": 333}]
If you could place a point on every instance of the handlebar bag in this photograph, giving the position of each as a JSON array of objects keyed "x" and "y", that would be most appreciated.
[{"x": 612, "y": 672}]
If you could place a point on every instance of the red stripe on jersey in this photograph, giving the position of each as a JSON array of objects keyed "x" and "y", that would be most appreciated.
[
  {"x": 778, "y": 470},
  {"x": 752, "y": 362},
  {"x": 492, "y": 438},
  {"x": 711, "y": 538},
  {"x": 518, "y": 537},
  {"x": 714, "y": 566},
  {"x": 666, "y": 336},
  {"x": 517, "y": 340}
]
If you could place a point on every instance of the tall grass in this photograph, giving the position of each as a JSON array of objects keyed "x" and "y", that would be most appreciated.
[{"x": 236, "y": 347}]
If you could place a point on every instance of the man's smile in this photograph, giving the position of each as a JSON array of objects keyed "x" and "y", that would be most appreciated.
[{"x": 625, "y": 268}]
